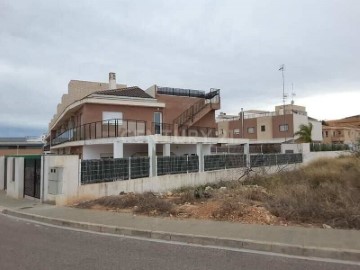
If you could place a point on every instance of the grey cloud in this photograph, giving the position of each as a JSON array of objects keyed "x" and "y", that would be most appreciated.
[{"x": 233, "y": 45}]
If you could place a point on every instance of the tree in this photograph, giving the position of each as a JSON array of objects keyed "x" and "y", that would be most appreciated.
[{"x": 304, "y": 133}]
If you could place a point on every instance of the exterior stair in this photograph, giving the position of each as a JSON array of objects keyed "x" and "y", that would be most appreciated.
[{"x": 198, "y": 110}]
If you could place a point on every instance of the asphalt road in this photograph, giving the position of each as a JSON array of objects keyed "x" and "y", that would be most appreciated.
[{"x": 28, "y": 245}]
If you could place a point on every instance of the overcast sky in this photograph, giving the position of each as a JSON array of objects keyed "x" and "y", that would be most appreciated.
[{"x": 236, "y": 46}]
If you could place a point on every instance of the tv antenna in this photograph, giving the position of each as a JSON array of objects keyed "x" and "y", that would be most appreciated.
[
  {"x": 285, "y": 127},
  {"x": 293, "y": 94}
]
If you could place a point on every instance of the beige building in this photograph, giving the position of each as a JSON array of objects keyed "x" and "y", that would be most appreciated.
[
  {"x": 269, "y": 127},
  {"x": 343, "y": 131},
  {"x": 20, "y": 146},
  {"x": 343, "y": 135}
]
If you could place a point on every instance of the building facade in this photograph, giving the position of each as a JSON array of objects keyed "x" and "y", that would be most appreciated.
[
  {"x": 342, "y": 131},
  {"x": 104, "y": 120},
  {"x": 19, "y": 146},
  {"x": 271, "y": 127},
  {"x": 341, "y": 135}
]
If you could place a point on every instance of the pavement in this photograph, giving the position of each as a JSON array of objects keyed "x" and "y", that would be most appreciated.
[{"x": 309, "y": 242}]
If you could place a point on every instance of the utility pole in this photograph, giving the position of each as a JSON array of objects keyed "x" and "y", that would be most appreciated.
[{"x": 282, "y": 68}]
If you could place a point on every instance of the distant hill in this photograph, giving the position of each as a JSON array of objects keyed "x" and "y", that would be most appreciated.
[{"x": 351, "y": 121}]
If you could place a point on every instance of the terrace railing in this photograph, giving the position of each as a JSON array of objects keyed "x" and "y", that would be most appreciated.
[
  {"x": 128, "y": 128},
  {"x": 102, "y": 129}
]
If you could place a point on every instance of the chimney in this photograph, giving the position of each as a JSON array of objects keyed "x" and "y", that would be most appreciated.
[{"x": 112, "y": 81}]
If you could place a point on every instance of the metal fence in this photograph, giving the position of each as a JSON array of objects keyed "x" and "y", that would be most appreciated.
[
  {"x": 275, "y": 159},
  {"x": 220, "y": 162},
  {"x": 177, "y": 164},
  {"x": 181, "y": 92},
  {"x": 102, "y": 129},
  {"x": 107, "y": 170},
  {"x": 139, "y": 167},
  {"x": 254, "y": 149},
  {"x": 227, "y": 161},
  {"x": 317, "y": 147}
]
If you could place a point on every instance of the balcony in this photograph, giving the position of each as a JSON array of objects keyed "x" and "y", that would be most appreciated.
[
  {"x": 128, "y": 128},
  {"x": 182, "y": 131}
]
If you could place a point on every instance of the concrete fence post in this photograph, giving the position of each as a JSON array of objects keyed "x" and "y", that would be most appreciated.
[
  {"x": 18, "y": 177},
  {"x": 200, "y": 153},
  {"x": 247, "y": 154},
  {"x": 152, "y": 157},
  {"x": 118, "y": 149},
  {"x": 2, "y": 173},
  {"x": 129, "y": 168}
]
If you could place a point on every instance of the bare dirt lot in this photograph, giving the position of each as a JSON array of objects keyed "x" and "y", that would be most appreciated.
[{"x": 324, "y": 194}]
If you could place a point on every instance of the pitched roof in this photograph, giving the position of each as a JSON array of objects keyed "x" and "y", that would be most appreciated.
[{"x": 133, "y": 91}]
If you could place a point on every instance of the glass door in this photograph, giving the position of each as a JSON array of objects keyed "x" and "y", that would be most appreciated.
[{"x": 157, "y": 123}]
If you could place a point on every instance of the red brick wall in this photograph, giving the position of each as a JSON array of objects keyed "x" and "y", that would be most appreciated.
[
  {"x": 279, "y": 120},
  {"x": 175, "y": 105}
]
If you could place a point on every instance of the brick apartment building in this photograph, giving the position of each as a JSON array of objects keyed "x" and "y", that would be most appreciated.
[
  {"x": 268, "y": 127},
  {"x": 101, "y": 120}
]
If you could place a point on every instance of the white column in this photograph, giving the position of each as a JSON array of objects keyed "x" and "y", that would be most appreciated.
[
  {"x": 247, "y": 154},
  {"x": 2, "y": 172},
  {"x": 166, "y": 150},
  {"x": 206, "y": 149},
  {"x": 152, "y": 156},
  {"x": 200, "y": 153},
  {"x": 118, "y": 149},
  {"x": 10, "y": 184},
  {"x": 19, "y": 178}
]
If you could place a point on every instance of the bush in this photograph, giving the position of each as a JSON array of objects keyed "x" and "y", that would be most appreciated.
[
  {"x": 230, "y": 209},
  {"x": 149, "y": 204},
  {"x": 327, "y": 191}
]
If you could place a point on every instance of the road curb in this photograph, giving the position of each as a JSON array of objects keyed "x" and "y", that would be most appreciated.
[{"x": 296, "y": 250}]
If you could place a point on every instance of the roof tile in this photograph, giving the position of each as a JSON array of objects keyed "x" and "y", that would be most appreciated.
[{"x": 133, "y": 91}]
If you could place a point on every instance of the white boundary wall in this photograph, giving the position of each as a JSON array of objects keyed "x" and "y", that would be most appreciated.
[
  {"x": 15, "y": 183},
  {"x": 71, "y": 190},
  {"x": 70, "y": 181},
  {"x": 168, "y": 182},
  {"x": 311, "y": 156}
]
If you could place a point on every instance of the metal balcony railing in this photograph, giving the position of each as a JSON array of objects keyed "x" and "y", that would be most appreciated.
[
  {"x": 128, "y": 128},
  {"x": 102, "y": 129}
]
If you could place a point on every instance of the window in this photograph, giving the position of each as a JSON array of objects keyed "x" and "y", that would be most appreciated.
[
  {"x": 158, "y": 122},
  {"x": 262, "y": 128},
  {"x": 236, "y": 131},
  {"x": 283, "y": 128},
  {"x": 251, "y": 130},
  {"x": 112, "y": 118},
  {"x": 339, "y": 132},
  {"x": 326, "y": 134}
]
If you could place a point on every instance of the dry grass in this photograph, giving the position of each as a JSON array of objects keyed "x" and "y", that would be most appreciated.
[
  {"x": 231, "y": 209},
  {"x": 326, "y": 191},
  {"x": 146, "y": 203}
]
